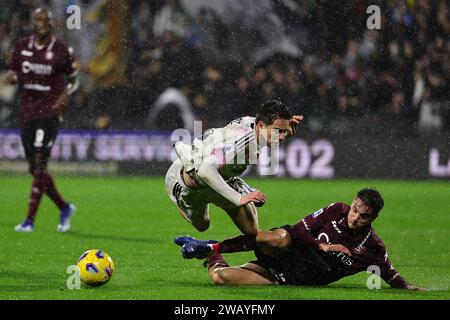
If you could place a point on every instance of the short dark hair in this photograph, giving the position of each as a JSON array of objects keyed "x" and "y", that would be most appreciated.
[
  {"x": 272, "y": 110},
  {"x": 371, "y": 198}
]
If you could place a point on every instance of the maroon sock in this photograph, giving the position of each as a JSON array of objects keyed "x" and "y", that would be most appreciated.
[
  {"x": 37, "y": 190},
  {"x": 52, "y": 192},
  {"x": 238, "y": 244},
  {"x": 217, "y": 259}
]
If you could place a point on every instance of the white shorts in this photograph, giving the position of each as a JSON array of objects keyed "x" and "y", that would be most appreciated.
[{"x": 194, "y": 203}]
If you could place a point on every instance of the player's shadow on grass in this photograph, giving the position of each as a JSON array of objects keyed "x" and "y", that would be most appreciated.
[{"x": 115, "y": 238}]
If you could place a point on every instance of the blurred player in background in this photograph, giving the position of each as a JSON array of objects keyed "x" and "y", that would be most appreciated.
[
  {"x": 39, "y": 65},
  {"x": 207, "y": 171},
  {"x": 332, "y": 243}
]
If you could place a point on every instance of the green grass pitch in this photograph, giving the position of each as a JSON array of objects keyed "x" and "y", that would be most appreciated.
[{"x": 133, "y": 220}]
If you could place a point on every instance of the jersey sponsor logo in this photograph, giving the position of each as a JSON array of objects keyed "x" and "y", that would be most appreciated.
[
  {"x": 345, "y": 259},
  {"x": 26, "y": 53},
  {"x": 36, "y": 86},
  {"x": 37, "y": 68},
  {"x": 325, "y": 236}
]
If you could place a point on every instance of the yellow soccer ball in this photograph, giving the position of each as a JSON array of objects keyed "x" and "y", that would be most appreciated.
[{"x": 96, "y": 267}]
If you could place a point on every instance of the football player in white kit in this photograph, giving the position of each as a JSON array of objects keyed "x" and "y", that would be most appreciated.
[{"x": 208, "y": 170}]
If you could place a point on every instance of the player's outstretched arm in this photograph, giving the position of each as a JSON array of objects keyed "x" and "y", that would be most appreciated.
[
  {"x": 208, "y": 172},
  {"x": 388, "y": 273}
]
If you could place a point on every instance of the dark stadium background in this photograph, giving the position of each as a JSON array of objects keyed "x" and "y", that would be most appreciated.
[{"x": 376, "y": 106}]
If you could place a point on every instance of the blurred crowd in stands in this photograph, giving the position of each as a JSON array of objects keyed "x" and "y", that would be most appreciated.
[{"x": 158, "y": 64}]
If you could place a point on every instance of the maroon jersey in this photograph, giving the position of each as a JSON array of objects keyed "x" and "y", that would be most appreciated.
[
  {"x": 305, "y": 264},
  {"x": 41, "y": 71}
]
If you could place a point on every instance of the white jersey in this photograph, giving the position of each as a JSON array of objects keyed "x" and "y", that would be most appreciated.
[{"x": 234, "y": 146}]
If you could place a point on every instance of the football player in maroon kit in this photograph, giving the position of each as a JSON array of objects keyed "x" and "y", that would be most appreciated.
[
  {"x": 40, "y": 65},
  {"x": 332, "y": 243}
]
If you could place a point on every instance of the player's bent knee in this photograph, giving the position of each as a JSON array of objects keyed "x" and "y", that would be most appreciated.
[
  {"x": 281, "y": 238},
  {"x": 275, "y": 239},
  {"x": 221, "y": 276}
]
